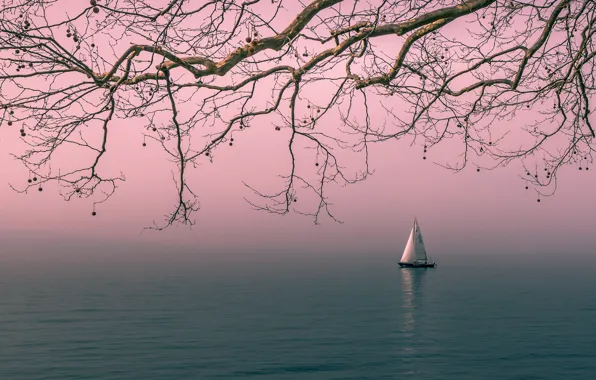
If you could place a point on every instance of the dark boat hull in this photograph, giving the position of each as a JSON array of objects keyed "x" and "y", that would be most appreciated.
[{"x": 417, "y": 265}]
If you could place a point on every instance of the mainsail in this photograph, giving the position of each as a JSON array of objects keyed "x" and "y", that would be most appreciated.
[{"x": 415, "y": 250}]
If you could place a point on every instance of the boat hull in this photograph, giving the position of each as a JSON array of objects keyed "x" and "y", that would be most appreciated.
[{"x": 417, "y": 265}]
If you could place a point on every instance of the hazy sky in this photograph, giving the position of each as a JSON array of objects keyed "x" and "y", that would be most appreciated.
[
  {"x": 468, "y": 212},
  {"x": 486, "y": 212}
]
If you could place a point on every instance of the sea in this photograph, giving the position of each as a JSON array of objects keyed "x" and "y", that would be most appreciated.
[{"x": 475, "y": 317}]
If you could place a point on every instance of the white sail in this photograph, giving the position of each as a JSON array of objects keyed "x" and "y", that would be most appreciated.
[
  {"x": 415, "y": 250},
  {"x": 420, "y": 249},
  {"x": 409, "y": 255}
]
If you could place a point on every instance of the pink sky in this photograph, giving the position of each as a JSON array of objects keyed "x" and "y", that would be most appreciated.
[{"x": 468, "y": 212}]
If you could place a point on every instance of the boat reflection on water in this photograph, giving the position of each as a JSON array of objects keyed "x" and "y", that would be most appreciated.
[
  {"x": 411, "y": 326},
  {"x": 412, "y": 281}
]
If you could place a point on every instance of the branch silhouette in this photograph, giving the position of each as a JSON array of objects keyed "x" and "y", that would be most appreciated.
[{"x": 444, "y": 70}]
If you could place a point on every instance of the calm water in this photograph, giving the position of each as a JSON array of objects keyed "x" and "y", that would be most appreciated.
[{"x": 470, "y": 318}]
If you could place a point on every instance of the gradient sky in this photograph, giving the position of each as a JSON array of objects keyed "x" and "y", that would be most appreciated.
[{"x": 468, "y": 212}]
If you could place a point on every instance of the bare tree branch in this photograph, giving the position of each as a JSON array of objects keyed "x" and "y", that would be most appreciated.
[{"x": 458, "y": 72}]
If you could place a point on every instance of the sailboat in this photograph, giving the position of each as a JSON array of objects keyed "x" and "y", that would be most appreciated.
[{"x": 415, "y": 253}]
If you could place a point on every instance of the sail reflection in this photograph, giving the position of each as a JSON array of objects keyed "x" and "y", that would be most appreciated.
[{"x": 411, "y": 281}]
